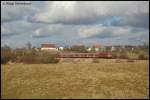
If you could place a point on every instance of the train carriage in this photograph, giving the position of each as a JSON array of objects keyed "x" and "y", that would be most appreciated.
[{"x": 84, "y": 55}]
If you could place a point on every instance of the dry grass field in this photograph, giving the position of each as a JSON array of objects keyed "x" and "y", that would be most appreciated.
[{"x": 81, "y": 79}]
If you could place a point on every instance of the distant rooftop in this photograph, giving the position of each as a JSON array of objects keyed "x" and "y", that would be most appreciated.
[
  {"x": 48, "y": 45},
  {"x": 97, "y": 45}
]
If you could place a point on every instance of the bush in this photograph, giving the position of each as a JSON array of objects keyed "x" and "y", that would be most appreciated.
[
  {"x": 122, "y": 55},
  {"x": 4, "y": 60},
  {"x": 49, "y": 59},
  {"x": 42, "y": 59},
  {"x": 118, "y": 61},
  {"x": 29, "y": 59},
  {"x": 130, "y": 60},
  {"x": 143, "y": 57},
  {"x": 7, "y": 54},
  {"x": 115, "y": 54},
  {"x": 95, "y": 60}
]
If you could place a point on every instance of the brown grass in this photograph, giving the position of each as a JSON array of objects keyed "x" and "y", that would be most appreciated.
[{"x": 106, "y": 79}]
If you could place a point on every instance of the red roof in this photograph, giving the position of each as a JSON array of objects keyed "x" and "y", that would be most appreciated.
[
  {"x": 47, "y": 45},
  {"x": 97, "y": 46}
]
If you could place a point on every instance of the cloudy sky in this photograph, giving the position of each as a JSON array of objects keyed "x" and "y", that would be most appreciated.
[{"x": 74, "y": 22}]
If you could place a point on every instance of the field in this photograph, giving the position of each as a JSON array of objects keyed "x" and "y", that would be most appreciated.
[{"x": 82, "y": 79}]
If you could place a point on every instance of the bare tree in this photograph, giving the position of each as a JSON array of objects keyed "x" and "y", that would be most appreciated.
[{"x": 29, "y": 45}]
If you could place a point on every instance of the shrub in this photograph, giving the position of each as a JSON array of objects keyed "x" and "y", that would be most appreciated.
[
  {"x": 95, "y": 60},
  {"x": 75, "y": 60},
  {"x": 4, "y": 60},
  {"x": 118, "y": 60},
  {"x": 115, "y": 54},
  {"x": 143, "y": 57},
  {"x": 5, "y": 55},
  {"x": 42, "y": 59},
  {"x": 130, "y": 60},
  {"x": 29, "y": 59},
  {"x": 122, "y": 54},
  {"x": 49, "y": 59}
]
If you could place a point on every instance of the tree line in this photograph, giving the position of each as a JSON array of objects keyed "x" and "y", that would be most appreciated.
[
  {"x": 27, "y": 56},
  {"x": 34, "y": 55}
]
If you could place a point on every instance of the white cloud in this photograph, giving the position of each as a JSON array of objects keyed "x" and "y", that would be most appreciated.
[
  {"x": 48, "y": 30},
  {"x": 19, "y": 27},
  {"x": 103, "y": 31},
  {"x": 16, "y": 12},
  {"x": 74, "y": 21},
  {"x": 4, "y": 29},
  {"x": 82, "y": 12}
]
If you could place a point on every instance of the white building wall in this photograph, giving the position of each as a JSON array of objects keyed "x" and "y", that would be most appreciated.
[
  {"x": 49, "y": 49},
  {"x": 61, "y": 48},
  {"x": 89, "y": 49},
  {"x": 96, "y": 49}
]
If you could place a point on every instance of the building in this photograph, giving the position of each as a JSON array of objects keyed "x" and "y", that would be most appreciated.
[
  {"x": 112, "y": 48},
  {"x": 48, "y": 46},
  {"x": 97, "y": 47},
  {"x": 89, "y": 49},
  {"x": 61, "y": 48}
]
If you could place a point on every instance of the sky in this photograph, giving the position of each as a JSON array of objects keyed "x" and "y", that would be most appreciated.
[{"x": 74, "y": 22}]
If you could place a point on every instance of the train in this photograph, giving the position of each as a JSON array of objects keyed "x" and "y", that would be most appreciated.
[{"x": 84, "y": 55}]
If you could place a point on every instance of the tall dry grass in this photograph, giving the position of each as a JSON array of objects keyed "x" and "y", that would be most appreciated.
[{"x": 106, "y": 79}]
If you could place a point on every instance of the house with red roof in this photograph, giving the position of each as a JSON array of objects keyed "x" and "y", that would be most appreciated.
[{"x": 49, "y": 46}]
